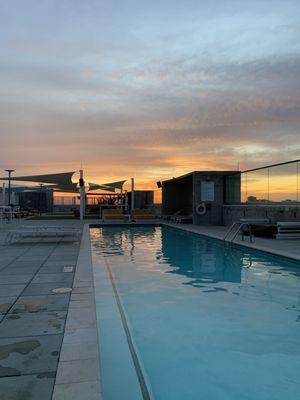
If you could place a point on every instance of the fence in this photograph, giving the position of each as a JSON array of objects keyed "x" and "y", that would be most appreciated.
[{"x": 277, "y": 183}]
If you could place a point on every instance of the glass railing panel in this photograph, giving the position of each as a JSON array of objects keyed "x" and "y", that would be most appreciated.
[
  {"x": 256, "y": 186},
  {"x": 283, "y": 183}
]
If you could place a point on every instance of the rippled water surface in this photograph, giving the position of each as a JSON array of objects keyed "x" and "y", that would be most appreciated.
[{"x": 207, "y": 321}]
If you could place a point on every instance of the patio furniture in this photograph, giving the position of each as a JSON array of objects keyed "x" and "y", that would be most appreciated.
[
  {"x": 180, "y": 219},
  {"x": 142, "y": 214},
  {"x": 42, "y": 232},
  {"x": 172, "y": 216},
  {"x": 113, "y": 214},
  {"x": 288, "y": 230}
]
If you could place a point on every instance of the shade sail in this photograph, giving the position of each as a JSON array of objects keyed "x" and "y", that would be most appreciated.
[
  {"x": 110, "y": 187},
  {"x": 64, "y": 178},
  {"x": 62, "y": 182}
]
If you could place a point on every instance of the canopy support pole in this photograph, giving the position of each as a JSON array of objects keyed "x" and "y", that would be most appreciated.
[
  {"x": 82, "y": 194},
  {"x": 132, "y": 194},
  {"x": 3, "y": 194}
]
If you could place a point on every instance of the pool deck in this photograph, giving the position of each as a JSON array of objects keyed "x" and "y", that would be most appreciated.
[{"x": 49, "y": 342}]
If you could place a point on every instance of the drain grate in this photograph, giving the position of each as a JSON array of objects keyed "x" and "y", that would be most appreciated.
[{"x": 68, "y": 269}]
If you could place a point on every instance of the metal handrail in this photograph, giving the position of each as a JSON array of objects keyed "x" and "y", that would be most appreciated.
[{"x": 241, "y": 225}]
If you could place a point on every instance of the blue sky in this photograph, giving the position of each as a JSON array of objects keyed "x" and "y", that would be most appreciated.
[{"x": 151, "y": 89}]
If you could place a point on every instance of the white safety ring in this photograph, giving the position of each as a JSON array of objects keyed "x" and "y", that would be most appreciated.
[{"x": 201, "y": 209}]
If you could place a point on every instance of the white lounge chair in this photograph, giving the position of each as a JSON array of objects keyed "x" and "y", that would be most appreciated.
[
  {"x": 288, "y": 230},
  {"x": 42, "y": 232},
  {"x": 183, "y": 218}
]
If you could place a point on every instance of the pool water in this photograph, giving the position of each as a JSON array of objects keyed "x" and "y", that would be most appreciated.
[{"x": 185, "y": 317}]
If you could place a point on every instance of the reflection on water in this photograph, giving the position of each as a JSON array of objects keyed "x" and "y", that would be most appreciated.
[{"x": 206, "y": 264}]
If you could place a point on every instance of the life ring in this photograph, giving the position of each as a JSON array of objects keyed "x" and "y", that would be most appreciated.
[{"x": 201, "y": 209}]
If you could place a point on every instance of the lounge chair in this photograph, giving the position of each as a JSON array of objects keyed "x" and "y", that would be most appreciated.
[
  {"x": 288, "y": 230},
  {"x": 172, "y": 216},
  {"x": 113, "y": 215},
  {"x": 142, "y": 214},
  {"x": 42, "y": 232},
  {"x": 183, "y": 218}
]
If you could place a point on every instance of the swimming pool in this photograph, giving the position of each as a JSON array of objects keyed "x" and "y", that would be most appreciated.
[{"x": 185, "y": 317}]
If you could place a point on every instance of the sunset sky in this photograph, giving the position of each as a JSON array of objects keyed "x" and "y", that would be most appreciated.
[{"x": 150, "y": 89}]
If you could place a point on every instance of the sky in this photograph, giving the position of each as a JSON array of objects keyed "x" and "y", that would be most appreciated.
[{"x": 150, "y": 89}]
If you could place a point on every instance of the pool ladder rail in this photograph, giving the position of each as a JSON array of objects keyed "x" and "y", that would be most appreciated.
[{"x": 234, "y": 230}]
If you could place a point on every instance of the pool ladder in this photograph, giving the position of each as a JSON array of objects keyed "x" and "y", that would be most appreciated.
[{"x": 234, "y": 230}]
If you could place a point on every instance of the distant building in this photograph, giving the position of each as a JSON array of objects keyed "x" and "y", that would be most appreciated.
[
  {"x": 25, "y": 197},
  {"x": 41, "y": 200}
]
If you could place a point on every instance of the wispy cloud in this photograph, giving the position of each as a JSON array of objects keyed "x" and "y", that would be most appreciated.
[{"x": 148, "y": 91}]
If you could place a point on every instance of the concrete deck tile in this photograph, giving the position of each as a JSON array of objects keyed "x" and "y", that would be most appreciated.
[
  {"x": 40, "y": 289},
  {"x": 58, "y": 263},
  {"x": 28, "y": 387},
  {"x": 24, "y": 264},
  {"x": 6, "y": 303},
  {"x": 29, "y": 355},
  {"x": 52, "y": 278},
  {"x": 72, "y": 352},
  {"x": 33, "y": 324},
  {"x": 81, "y": 304},
  {"x": 78, "y": 391},
  {"x": 82, "y": 296},
  {"x": 78, "y": 371},
  {"x": 85, "y": 289},
  {"x": 11, "y": 290},
  {"x": 81, "y": 336},
  {"x": 33, "y": 258},
  {"x": 31, "y": 304},
  {"x": 67, "y": 260},
  {"x": 80, "y": 318},
  {"x": 19, "y": 271},
  {"x": 53, "y": 269},
  {"x": 7, "y": 279}
]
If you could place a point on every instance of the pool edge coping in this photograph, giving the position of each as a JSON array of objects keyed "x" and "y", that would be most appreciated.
[{"x": 80, "y": 331}]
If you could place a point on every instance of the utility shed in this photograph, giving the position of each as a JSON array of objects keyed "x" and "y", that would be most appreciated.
[{"x": 200, "y": 194}]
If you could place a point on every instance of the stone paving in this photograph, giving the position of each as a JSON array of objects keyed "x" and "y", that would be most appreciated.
[{"x": 32, "y": 316}]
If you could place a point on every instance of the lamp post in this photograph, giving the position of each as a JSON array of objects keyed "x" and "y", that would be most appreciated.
[
  {"x": 40, "y": 198},
  {"x": 9, "y": 183}
]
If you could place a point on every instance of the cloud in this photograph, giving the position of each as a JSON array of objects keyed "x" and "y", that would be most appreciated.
[{"x": 146, "y": 96}]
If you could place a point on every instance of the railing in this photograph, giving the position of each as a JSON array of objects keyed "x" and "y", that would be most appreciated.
[
  {"x": 277, "y": 183},
  {"x": 239, "y": 228}
]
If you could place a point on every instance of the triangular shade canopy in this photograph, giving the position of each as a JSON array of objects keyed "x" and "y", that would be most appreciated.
[
  {"x": 107, "y": 186},
  {"x": 62, "y": 182},
  {"x": 64, "y": 178}
]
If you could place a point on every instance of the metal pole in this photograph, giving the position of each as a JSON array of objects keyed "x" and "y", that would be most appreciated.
[
  {"x": 9, "y": 183},
  {"x": 40, "y": 199},
  {"x": 82, "y": 194},
  {"x": 3, "y": 194},
  {"x": 132, "y": 194}
]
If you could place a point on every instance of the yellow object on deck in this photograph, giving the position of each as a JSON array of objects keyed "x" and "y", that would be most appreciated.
[
  {"x": 113, "y": 214},
  {"x": 141, "y": 213}
]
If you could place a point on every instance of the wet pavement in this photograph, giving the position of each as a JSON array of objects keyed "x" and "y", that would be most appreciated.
[{"x": 34, "y": 301}]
